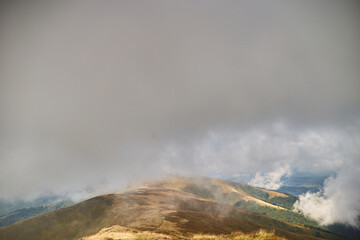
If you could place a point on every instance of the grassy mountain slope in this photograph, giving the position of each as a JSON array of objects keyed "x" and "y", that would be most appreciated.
[
  {"x": 267, "y": 202},
  {"x": 225, "y": 191},
  {"x": 179, "y": 207}
]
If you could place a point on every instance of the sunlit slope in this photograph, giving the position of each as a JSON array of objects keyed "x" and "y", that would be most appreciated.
[
  {"x": 118, "y": 232},
  {"x": 162, "y": 208},
  {"x": 228, "y": 191}
]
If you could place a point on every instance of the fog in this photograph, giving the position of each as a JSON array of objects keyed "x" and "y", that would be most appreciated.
[
  {"x": 104, "y": 94},
  {"x": 338, "y": 202}
]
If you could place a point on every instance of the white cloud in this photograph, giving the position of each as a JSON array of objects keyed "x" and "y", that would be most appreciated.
[
  {"x": 265, "y": 150},
  {"x": 338, "y": 202},
  {"x": 270, "y": 180},
  {"x": 271, "y": 152}
]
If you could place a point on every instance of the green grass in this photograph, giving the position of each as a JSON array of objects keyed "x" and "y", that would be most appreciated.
[{"x": 286, "y": 215}]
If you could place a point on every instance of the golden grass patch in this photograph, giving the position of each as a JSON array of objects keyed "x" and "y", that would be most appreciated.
[{"x": 119, "y": 233}]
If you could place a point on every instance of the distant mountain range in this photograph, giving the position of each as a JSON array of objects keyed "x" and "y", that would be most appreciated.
[
  {"x": 296, "y": 184},
  {"x": 35, "y": 209}
]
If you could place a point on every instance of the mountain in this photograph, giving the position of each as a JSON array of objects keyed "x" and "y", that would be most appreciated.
[
  {"x": 302, "y": 182},
  {"x": 177, "y": 207},
  {"x": 8, "y": 206},
  {"x": 296, "y": 184},
  {"x": 24, "y": 213}
]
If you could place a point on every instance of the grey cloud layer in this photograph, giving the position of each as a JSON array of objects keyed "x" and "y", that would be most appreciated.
[
  {"x": 130, "y": 89},
  {"x": 273, "y": 149}
]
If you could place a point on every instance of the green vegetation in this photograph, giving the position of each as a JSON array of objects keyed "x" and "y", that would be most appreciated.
[
  {"x": 285, "y": 202},
  {"x": 280, "y": 214},
  {"x": 251, "y": 190}
]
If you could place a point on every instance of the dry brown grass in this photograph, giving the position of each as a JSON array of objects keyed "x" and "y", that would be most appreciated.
[
  {"x": 221, "y": 189},
  {"x": 273, "y": 193},
  {"x": 118, "y": 233},
  {"x": 260, "y": 235}
]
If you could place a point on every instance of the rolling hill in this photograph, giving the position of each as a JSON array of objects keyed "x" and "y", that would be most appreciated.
[{"x": 176, "y": 207}]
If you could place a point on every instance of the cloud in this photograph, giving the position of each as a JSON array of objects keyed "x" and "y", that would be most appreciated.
[
  {"x": 270, "y": 180},
  {"x": 124, "y": 91},
  {"x": 338, "y": 202},
  {"x": 270, "y": 150}
]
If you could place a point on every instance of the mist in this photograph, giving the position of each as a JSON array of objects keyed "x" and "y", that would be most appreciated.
[
  {"x": 337, "y": 203},
  {"x": 106, "y": 94}
]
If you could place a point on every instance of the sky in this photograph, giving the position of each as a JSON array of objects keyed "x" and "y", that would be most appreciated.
[{"x": 108, "y": 93}]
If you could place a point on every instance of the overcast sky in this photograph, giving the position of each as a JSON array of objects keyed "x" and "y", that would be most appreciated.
[{"x": 95, "y": 92}]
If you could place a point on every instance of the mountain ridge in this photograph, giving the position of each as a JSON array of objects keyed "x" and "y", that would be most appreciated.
[{"x": 163, "y": 207}]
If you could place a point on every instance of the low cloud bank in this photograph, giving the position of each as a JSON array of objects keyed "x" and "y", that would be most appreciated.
[
  {"x": 338, "y": 202},
  {"x": 271, "y": 152},
  {"x": 271, "y": 180}
]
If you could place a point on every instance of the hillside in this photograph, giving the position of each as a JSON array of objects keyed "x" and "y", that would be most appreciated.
[
  {"x": 179, "y": 207},
  {"x": 228, "y": 192}
]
